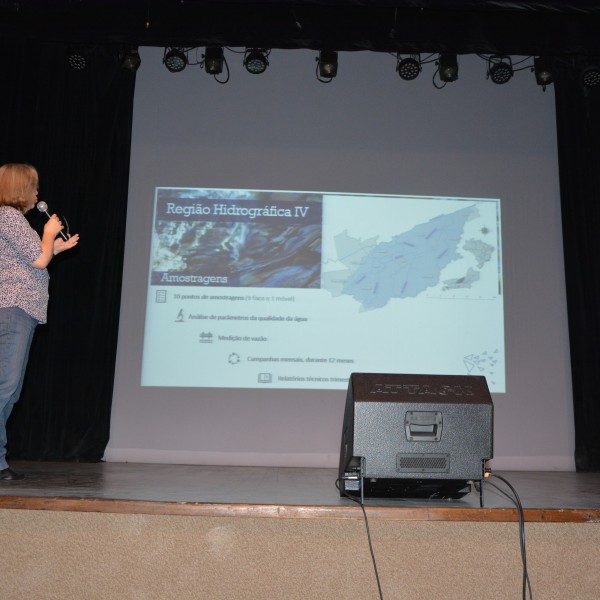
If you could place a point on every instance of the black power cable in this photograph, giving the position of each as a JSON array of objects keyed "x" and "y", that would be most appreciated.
[
  {"x": 361, "y": 504},
  {"x": 517, "y": 501},
  {"x": 526, "y": 587}
]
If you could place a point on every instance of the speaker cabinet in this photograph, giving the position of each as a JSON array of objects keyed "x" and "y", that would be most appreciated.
[{"x": 420, "y": 436}]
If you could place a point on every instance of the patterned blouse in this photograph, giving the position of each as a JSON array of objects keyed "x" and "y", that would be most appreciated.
[{"x": 21, "y": 284}]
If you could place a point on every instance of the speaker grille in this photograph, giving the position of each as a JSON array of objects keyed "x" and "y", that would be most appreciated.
[{"x": 422, "y": 463}]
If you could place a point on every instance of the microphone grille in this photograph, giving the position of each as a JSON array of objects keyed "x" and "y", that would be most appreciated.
[{"x": 42, "y": 206}]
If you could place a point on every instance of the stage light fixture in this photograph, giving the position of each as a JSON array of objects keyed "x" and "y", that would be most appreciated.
[
  {"x": 500, "y": 69},
  {"x": 255, "y": 61},
  {"x": 409, "y": 68},
  {"x": 542, "y": 67},
  {"x": 213, "y": 60},
  {"x": 130, "y": 59},
  {"x": 175, "y": 60},
  {"x": 448, "y": 67},
  {"x": 76, "y": 59},
  {"x": 328, "y": 64},
  {"x": 590, "y": 76}
]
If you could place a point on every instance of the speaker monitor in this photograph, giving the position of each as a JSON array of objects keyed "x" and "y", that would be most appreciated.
[{"x": 419, "y": 436}]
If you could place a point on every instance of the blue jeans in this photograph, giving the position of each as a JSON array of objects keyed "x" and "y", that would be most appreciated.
[{"x": 16, "y": 333}]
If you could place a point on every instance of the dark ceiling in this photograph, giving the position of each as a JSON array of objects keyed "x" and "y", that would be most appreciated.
[{"x": 551, "y": 27}]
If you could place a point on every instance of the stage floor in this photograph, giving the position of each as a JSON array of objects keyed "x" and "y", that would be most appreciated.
[{"x": 282, "y": 492}]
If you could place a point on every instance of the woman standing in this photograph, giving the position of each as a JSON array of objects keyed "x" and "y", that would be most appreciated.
[{"x": 23, "y": 285}]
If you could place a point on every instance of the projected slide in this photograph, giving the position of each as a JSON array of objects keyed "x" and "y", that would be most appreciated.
[{"x": 284, "y": 289}]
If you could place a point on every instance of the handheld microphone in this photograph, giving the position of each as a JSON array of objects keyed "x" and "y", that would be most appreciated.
[{"x": 43, "y": 208}]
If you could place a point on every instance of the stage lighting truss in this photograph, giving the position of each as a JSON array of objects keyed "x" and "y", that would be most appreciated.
[
  {"x": 408, "y": 68},
  {"x": 256, "y": 60},
  {"x": 129, "y": 58},
  {"x": 175, "y": 59},
  {"x": 542, "y": 67},
  {"x": 500, "y": 69},
  {"x": 447, "y": 68},
  {"x": 327, "y": 65}
]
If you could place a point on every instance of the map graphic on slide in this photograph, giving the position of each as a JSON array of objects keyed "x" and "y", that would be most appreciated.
[{"x": 409, "y": 264}]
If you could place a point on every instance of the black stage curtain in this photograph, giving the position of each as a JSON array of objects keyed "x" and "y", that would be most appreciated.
[
  {"x": 578, "y": 131},
  {"x": 75, "y": 128}
]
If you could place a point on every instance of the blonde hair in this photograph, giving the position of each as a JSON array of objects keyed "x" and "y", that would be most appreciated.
[{"x": 17, "y": 182}]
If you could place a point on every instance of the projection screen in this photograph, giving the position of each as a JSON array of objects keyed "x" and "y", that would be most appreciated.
[{"x": 283, "y": 233}]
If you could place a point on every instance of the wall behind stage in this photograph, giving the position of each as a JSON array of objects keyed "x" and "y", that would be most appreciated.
[{"x": 369, "y": 132}]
